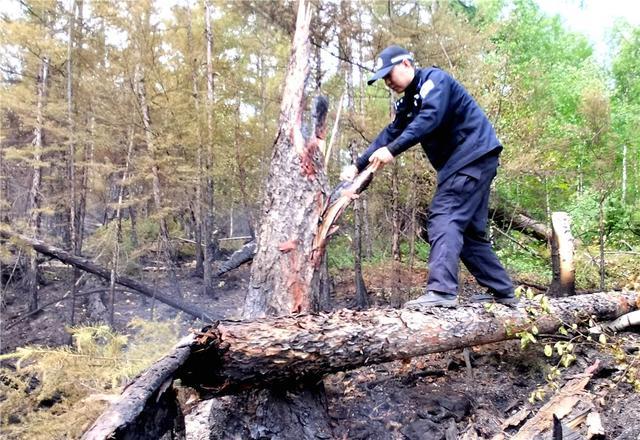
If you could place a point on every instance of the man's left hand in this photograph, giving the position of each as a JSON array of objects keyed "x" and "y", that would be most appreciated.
[{"x": 380, "y": 158}]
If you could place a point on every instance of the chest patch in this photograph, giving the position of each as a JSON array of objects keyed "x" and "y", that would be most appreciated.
[{"x": 426, "y": 88}]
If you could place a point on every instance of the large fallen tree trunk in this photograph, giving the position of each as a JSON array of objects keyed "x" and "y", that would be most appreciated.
[
  {"x": 89, "y": 266},
  {"x": 232, "y": 356}
]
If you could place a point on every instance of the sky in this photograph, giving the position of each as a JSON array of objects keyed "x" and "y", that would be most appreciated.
[{"x": 593, "y": 18}]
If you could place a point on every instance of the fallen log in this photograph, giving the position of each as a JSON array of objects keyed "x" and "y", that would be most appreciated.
[
  {"x": 235, "y": 355},
  {"x": 91, "y": 267},
  {"x": 507, "y": 219},
  {"x": 239, "y": 257}
]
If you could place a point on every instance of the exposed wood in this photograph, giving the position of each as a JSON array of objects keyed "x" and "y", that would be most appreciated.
[
  {"x": 562, "y": 253},
  {"x": 508, "y": 219},
  {"x": 91, "y": 267},
  {"x": 623, "y": 322},
  {"x": 340, "y": 198},
  {"x": 233, "y": 356},
  {"x": 594, "y": 426},
  {"x": 559, "y": 405}
]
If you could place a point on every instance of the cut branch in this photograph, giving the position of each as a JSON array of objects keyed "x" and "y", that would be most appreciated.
[{"x": 91, "y": 267}]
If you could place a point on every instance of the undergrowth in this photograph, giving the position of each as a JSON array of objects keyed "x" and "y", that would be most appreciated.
[{"x": 56, "y": 393}]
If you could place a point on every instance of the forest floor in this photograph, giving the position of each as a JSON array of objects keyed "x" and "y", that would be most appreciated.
[{"x": 438, "y": 396}]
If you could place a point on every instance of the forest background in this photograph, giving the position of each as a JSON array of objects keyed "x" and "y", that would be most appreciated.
[{"x": 135, "y": 137}]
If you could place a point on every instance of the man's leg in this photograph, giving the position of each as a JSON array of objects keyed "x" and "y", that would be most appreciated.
[
  {"x": 478, "y": 256},
  {"x": 452, "y": 208}
]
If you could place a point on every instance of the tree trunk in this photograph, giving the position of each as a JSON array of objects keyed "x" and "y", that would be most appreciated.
[
  {"x": 246, "y": 253},
  {"x": 507, "y": 219},
  {"x": 118, "y": 238},
  {"x": 601, "y": 239},
  {"x": 34, "y": 201},
  {"x": 288, "y": 275},
  {"x": 362, "y": 296},
  {"x": 89, "y": 266},
  {"x": 208, "y": 231},
  {"x": 167, "y": 248},
  {"x": 563, "y": 268},
  {"x": 198, "y": 227},
  {"x": 233, "y": 355}
]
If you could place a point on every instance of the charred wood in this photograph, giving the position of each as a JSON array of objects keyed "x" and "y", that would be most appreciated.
[{"x": 238, "y": 258}]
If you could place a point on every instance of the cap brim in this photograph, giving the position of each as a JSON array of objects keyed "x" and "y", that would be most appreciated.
[{"x": 380, "y": 74}]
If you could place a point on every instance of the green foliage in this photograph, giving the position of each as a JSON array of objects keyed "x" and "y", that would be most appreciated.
[{"x": 56, "y": 393}]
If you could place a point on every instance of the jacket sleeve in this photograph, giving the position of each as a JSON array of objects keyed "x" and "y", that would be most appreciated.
[
  {"x": 435, "y": 94},
  {"x": 386, "y": 136}
]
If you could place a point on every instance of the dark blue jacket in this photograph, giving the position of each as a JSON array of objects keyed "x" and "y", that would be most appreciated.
[{"x": 440, "y": 114}]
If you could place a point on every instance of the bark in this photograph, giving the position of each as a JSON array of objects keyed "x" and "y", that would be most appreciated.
[
  {"x": 601, "y": 239},
  {"x": 89, "y": 266},
  {"x": 71, "y": 171},
  {"x": 285, "y": 275},
  {"x": 563, "y": 267},
  {"x": 118, "y": 238},
  {"x": 232, "y": 356},
  {"x": 289, "y": 274},
  {"x": 507, "y": 219}
]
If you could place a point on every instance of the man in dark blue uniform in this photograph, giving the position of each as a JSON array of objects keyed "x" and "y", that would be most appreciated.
[{"x": 461, "y": 144}]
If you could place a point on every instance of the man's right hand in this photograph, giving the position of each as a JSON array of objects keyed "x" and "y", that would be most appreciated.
[{"x": 349, "y": 173}]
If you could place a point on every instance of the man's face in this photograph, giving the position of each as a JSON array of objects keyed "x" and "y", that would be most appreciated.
[{"x": 400, "y": 76}]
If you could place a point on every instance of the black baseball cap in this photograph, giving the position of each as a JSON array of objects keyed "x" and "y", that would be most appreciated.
[{"x": 388, "y": 58}]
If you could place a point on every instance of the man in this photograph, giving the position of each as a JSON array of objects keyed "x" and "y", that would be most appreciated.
[{"x": 462, "y": 146}]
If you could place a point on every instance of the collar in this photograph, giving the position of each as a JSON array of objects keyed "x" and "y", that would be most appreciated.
[{"x": 415, "y": 83}]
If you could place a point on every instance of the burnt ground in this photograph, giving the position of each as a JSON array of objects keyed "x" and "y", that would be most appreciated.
[{"x": 432, "y": 397}]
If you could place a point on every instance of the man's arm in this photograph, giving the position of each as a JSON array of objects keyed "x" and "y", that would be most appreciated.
[
  {"x": 435, "y": 93},
  {"x": 387, "y": 135}
]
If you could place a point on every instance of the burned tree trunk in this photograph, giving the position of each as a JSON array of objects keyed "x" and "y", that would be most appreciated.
[
  {"x": 239, "y": 257},
  {"x": 286, "y": 271},
  {"x": 233, "y": 356},
  {"x": 289, "y": 273}
]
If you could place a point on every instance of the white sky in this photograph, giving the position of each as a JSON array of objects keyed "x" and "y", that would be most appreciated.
[{"x": 593, "y": 18}]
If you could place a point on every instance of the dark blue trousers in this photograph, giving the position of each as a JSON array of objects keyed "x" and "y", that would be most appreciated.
[{"x": 457, "y": 230}]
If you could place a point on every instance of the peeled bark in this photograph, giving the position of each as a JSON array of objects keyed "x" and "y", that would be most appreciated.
[{"x": 234, "y": 356}]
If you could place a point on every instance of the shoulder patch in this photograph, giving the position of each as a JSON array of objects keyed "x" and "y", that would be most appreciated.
[{"x": 426, "y": 88}]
